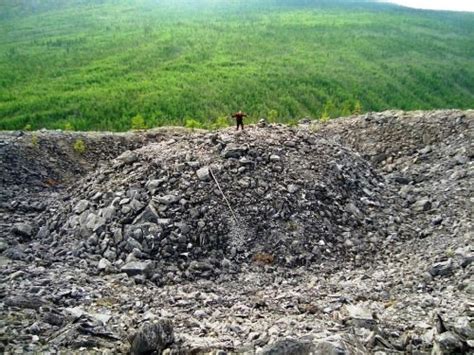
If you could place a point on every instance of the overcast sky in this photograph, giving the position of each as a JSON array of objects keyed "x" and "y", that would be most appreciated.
[{"x": 457, "y": 5}]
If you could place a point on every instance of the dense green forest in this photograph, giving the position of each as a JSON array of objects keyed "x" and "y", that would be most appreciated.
[{"x": 105, "y": 65}]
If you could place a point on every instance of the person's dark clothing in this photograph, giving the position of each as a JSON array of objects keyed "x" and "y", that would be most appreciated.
[
  {"x": 240, "y": 122},
  {"x": 239, "y": 118}
]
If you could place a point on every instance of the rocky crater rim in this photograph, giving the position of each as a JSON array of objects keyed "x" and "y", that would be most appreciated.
[{"x": 350, "y": 236}]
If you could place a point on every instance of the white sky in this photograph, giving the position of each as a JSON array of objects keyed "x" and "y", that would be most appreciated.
[{"x": 456, "y": 5}]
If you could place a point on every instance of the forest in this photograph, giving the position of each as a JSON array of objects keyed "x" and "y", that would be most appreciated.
[{"x": 118, "y": 65}]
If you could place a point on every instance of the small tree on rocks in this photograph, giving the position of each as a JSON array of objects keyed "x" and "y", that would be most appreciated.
[{"x": 138, "y": 122}]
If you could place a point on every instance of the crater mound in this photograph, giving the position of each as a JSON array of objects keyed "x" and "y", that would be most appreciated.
[
  {"x": 204, "y": 204},
  {"x": 353, "y": 235}
]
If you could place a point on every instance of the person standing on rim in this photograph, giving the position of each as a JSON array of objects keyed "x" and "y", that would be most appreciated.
[{"x": 239, "y": 118}]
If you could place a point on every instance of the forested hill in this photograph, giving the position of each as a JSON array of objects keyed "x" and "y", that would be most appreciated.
[{"x": 85, "y": 64}]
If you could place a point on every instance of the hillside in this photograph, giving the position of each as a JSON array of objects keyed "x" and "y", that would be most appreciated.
[
  {"x": 353, "y": 236},
  {"x": 94, "y": 65}
]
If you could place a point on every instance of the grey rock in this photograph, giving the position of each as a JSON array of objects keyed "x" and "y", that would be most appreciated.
[
  {"x": 94, "y": 222},
  {"x": 458, "y": 174},
  {"x": 164, "y": 221},
  {"x": 43, "y": 232},
  {"x": 334, "y": 345},
  {"x": 23, "y": 230},
  {"x": 426, "y": 150},
  {"x": 226, "y": 263},
  {"x": 81, "y": 206},
  {"x": 200, "y": 313},
  {"x": 167, "y": 199},
  {"x": 128, "y": 157},
  {"x": 204, "y": 174},
  {"x": 246, "y": 161},
  {"x": 401, "y": 180},
  {"x": 108, "y": 213},
  {"x": 133, "y": 244},
  {"x": 136, "y": 205},
  {"x": 110, "y": 254},
  {"x": 133, "y": 268},
  {"x": 288, "y": 346},
  {"x": 234, "y": 151},
  {"x": 153, "y": 338},
  {"x": 275, "y": 158},
  {"x": 93, "y": 240},
  {"x": 360, "y": 317},
  {"x": 292, "y": 188},
  {"x": 3, "y": 245},
  {"x": 245, "y": 182},
  {"x": 464, "y": 327},
  {"x": 149, "y": 214},
  {"x": 16, "y": 275},
  {"x": 461, "y": 159},
  {"x": 442, "y": 268},
  {"x": 339, "y": 344},
  {"x": 153, "y": 185},
  {"x": 200, "y": 266},
  {"x": 467, "y": 260},
  {"x": 14, "y": 253},
  {"x": 104, "y": 265},
  {"x": 422, "y": 205},
  {"x": 447, "y": 343},
  {"x": 54, "y": 318},
  {"x": 436, "y": 221},
  {"x": 31, "y": 302}
]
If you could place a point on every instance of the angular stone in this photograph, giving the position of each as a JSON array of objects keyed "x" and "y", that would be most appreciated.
[
  {"x": 200, "y": 266},
  {"x": 167, "y": 199},
  {"x": 360, "y": 317},
  {"x": 422, "y": 205},
  {"x": 54, "y": 318},
  {"x": 81, "y": 206},
  {"x": 464, "y": 328},
  {"x": 153, "y": 338},
  {"x": 149, "y": 214},
  {"x": 136, "y": 204},
  {"x": 128, "y": 157},
  {"x": 3, "y": 245},
  {"x": 458, "y": 175},
  {"x": 292, "y": 188},
  {"x": 133, "y": 268},
  {"x": 23, "y": 230},
  {"x": 204, "y": 174},
  {"x": 104, "y": 265},
  {"x": 108, "y": 213},
  {"x": 448, "y": 343},
  {"x": 441, "y": 269},
  {"x": 288, "y": 346},
  {"x": 152, "y": 185},
  {"x": 95, "y": 222},
  {"x": 133, "y": 244},
  {"x": 234, "y": 151},
  {"x": 110, "y": 254},
  {"x": 31, "y": 302},
  {"x": 401, "y": 180}
]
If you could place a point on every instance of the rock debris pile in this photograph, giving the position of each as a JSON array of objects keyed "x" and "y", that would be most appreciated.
[
  {"x": 354, "y": 236},
  {"x": 195, "y": 207}
]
